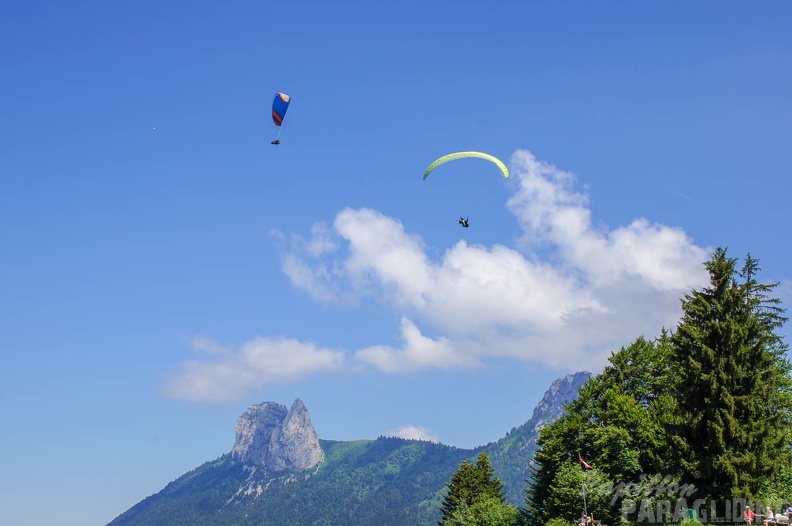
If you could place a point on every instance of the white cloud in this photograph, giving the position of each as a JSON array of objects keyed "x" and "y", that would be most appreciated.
[
  {"x": 552, "y": 213},
  {"x": 418, "y": 352},
  {"x": 598, "y": 290},
  {"x": 565, "y": 295},
  {"x": 259, "y": 362},
  {"x": 209, "y": 345},
  {"x": 411, "y": 432}
]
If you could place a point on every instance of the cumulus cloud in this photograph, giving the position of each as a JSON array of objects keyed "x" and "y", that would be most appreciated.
[
  {"x": 418, "y": 352},
  {"x": 565, "y": 295},
  {"x": 411, "y": 432},
  {"x": 259, "y": 362},
  {"x": 597, "y": 290},
  {"x": 552, "y": 213}
]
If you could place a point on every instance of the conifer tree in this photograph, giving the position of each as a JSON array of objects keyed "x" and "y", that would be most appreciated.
[
  {"x": 470, "y": 484},
  {"x": 732, "y": 383}
]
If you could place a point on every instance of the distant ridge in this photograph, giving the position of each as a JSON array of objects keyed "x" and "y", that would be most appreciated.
[
  {"x": 280, "y": 473},
  {"x": 512, "y": 454}
]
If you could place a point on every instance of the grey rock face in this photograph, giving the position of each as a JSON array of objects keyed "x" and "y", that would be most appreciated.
[
  {"x": 560, "y": 393},
  {"x": 294, "y": 446},
  {"x": 268, "y": 435},
  {"x": 254, "y": 430},
  {"x": 520, "y": 442}
]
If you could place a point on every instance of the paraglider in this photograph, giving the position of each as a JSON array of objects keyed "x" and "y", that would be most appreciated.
[
  {"x": 279, "y": 106},
  {"x": 462, "y": 155}
]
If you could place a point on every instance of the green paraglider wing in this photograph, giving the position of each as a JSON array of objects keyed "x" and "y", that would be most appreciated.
[{"x": 461, "y": 155}]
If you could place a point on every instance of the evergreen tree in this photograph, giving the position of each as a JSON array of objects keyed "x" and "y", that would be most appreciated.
[
  {"x": 470, "y": 484},
  {"x": 732, "y": 384}
]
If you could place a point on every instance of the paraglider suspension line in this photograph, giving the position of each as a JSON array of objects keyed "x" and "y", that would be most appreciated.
[{"x": 277, "y": 139}]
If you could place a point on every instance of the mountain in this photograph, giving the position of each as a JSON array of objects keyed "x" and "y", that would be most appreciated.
[
  {"x": 280, "y": 473},
  {"x": 512, "y": 454}
]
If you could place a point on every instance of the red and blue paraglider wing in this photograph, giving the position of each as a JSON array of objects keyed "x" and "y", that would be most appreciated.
[{"x": 279, "y": 106}]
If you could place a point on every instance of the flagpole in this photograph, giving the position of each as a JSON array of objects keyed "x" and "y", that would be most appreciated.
[{"x": 583, "y": 485}]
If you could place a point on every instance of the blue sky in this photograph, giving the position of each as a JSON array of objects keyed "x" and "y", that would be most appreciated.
[{"x": 163, "y": 266}]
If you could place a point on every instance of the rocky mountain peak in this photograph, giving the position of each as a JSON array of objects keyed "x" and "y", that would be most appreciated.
[
  {"x": 561, "y": 391},
  {"x": 520, "y": 442},
  {"x": 270, "y": 436}
]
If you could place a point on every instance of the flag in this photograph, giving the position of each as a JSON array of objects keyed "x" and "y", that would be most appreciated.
[{"x": 583, "y": 463}]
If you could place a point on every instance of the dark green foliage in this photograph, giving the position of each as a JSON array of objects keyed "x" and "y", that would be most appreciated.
[
  {"x": 388, "y": 482},
  {"x": 614, "y": 424},
  {"x": 470, "y": 484},
  {"x": 566, "y": 493},
  {"x": 201, "y": 491},
  {"x": 512, "y": 455},
  {"x": 488, "y": 511},
  {"x": 732, "y": 383}
]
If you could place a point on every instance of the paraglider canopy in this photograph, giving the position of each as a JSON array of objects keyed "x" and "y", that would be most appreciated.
[
  {"x": 280, "y": 103},
  {"x": 462, "y": 155},
  {"x": 279, "y": 106}
]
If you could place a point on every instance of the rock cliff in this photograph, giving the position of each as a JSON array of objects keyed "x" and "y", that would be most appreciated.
[
  {"x": 512, "y": 454},
  {"x": 561, "y": 392},
  {"x": 268, "y": 435}
]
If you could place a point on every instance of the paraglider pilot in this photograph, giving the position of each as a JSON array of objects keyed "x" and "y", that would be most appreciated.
[{"x": 463, "y": 221}]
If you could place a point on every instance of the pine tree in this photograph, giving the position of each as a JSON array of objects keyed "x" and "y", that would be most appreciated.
[
  {"x": 732, "y": 383},
  {"x": 470, "y": 484}
]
